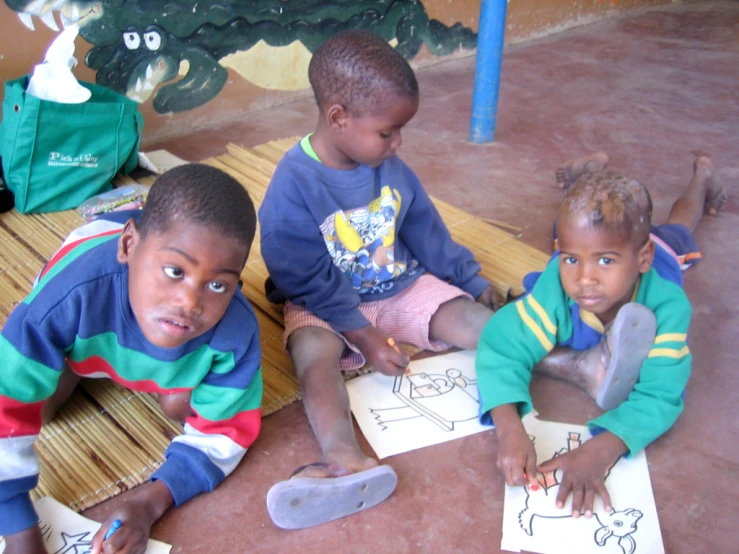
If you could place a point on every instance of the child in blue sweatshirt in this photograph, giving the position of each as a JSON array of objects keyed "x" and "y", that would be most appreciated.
[{"x": 354, "y": 244}]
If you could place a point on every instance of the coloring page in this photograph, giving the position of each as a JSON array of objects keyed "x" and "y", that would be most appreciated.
[
  {"x": 437, "y": 402},
  {"x": 67, "y": 532},
  {"x": 532, "y": 522}
]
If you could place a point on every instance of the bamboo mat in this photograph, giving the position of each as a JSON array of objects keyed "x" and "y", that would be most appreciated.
[{"x": 106, "y": 439}]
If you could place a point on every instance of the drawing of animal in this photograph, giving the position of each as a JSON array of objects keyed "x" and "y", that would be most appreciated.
[
  {"x": 621, "y": 524},
  {"x": 141, "y": 44},
  {"x": 541, "y": 503}
]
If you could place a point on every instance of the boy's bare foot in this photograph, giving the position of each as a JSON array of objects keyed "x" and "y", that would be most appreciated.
[
  {"x": 572, "y": 169},
  {"x": 716, "y": 194},
  {"x": 336, "y": 464}
]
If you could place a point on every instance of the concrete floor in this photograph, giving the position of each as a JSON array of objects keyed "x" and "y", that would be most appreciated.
[{"x": 648, "y": 88}]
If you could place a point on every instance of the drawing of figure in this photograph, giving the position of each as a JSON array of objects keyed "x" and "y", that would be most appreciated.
[
  {"x": 540, "y": 503},
  {"x": 76, "y": 544},
  {"x": 442, "y": 399}
]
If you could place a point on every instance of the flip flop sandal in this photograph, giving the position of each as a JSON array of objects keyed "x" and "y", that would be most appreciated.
[
  {"x": 307, "y": 501},
  {"x": 633, "y": 332}
]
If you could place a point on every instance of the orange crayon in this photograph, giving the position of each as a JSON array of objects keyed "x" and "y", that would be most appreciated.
[{"x": 392, "y": 344}]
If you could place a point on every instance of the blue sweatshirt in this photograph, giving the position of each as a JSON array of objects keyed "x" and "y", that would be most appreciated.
[{"x": 333, "y": 238}]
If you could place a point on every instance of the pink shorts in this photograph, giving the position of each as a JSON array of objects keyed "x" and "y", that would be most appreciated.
[{"x": 405, "y": 317}]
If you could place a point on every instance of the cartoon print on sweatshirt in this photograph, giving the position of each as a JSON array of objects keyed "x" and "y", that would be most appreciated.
[{"x": 361, "y": 242}]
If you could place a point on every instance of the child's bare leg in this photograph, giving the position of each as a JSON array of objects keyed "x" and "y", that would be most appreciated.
[
  {"x": 316, "y": 353},
  {"x": 585, "y": 369},
  {"x": 68, "y": 381},
  {"x": 704, "y": 194},
  {"x": 609, "y": 371},
  {"x": 572, "y": 169},
  {"x": 459, "y": 322}
]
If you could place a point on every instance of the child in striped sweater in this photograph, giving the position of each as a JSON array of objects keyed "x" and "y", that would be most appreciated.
[{"x": 153, "y": 303}]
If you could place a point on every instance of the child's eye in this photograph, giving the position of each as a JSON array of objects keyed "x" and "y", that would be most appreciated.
[
  {"x": 174, "y": 272},
  {"x": 605, "y": 261},
  {"x": 215, "y": 286},
  {"x": 569, "y": 260},
  {"x": 386, "y": 135}
]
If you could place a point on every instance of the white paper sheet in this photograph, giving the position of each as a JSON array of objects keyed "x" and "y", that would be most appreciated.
[
  {"x": 159, "y": 161},
  {"x": 532, "y": 522},
  {"x": 438, "y": 402},
  {"x": 67, "y": 532}
]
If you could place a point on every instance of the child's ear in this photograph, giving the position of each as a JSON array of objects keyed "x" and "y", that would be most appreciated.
[
  {"x": 646, "y": 256},
  {"x": 337, "y": 117},
  {"x": 129, "y": 239}
]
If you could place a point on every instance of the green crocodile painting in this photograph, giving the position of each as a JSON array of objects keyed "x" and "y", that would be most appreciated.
[{"x": 179, "y": 51}]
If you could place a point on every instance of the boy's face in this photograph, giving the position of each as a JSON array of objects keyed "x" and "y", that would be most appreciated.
[
  {"x": 599, "y": 268},
  {"x": 371, "y": 138},
  {"x": 180, "y": 281}
]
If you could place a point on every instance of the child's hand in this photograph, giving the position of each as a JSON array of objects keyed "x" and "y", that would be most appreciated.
[
  {"x": 28, "y": 541},
  {"x": 489, "y": 298},
  {"x": 516, "y": 454},
  {"x": 131, "y": 537},
  {"x": 138, "y": 514},
  {"x": 378, "y": 352},
  {"x": 584, "y": 470}
]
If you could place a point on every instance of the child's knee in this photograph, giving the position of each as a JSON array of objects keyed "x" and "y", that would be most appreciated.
[
  {"x": 176, "y": 406},
  {"x": 314, "y": 346}
]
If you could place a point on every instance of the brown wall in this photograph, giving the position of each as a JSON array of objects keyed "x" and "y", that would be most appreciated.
[{"x": 21, "y": 49}]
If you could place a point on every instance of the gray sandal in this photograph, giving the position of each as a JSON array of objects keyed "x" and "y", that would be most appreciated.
[
  {"x": 307, "y": 501},
  {"x": 632, "y": 337}
]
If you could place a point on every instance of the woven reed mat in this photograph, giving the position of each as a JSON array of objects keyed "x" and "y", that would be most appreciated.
[{"x": 106, "y": 439}]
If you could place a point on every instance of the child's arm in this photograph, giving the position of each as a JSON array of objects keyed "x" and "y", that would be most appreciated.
[
  {"x": 518, "y": 337},
  {"x": 227, "y": 415},
  {"x": 516, "y": 454},
  {"x": 427, "y": 236},
  {"x": 515, "y": 339},
  {"x": 302, "y": 269},
  {"x": 32, "y": 346}
]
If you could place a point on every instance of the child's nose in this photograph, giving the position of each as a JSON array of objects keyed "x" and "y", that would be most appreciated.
[
  {"x": 587, "y": 275},
  {"x": 190, "y": 299}
]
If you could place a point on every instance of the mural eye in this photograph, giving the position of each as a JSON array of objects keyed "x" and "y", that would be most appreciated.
[
  {"x": 618, "y": 523},
  {"x": 153, "y": 40},
  {"x": 132, "y": 40}
]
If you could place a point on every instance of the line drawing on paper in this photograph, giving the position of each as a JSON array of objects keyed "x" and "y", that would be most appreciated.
[
  {"x": 443, "y": 399},
  {"x": 617, "y": 523},
  {"x": 80, "y": 543}
]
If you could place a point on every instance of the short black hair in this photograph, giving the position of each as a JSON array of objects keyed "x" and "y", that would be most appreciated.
[
  {"x": 612, "y": 201},
  {"x": 358, "y": 70},
  {"x": 201, "y": 194}
]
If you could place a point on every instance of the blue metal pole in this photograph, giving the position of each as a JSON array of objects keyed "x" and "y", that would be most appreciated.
[{"x": 487, "y": 69}]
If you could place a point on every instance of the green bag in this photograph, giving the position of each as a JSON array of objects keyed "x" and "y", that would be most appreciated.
[{"x": 55, "y": 156}]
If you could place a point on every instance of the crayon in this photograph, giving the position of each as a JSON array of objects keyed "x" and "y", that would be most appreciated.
[
  {"x": 113, "y": 528},
  {"x": 392, "y": 344}
]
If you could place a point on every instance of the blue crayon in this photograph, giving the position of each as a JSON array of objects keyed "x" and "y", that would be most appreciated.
[{"x": 113, "y": 528}]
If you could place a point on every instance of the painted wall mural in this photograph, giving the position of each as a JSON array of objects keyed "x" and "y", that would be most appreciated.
[{"x": 179, "y": 51}]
